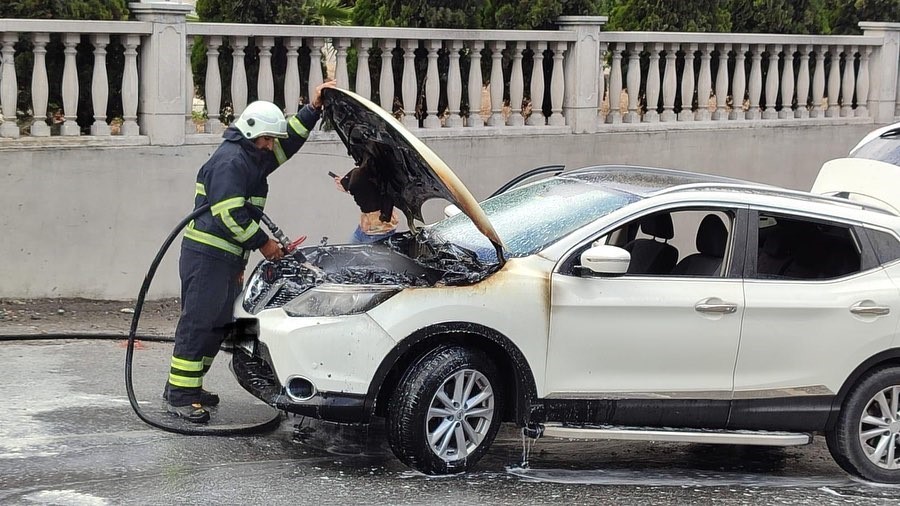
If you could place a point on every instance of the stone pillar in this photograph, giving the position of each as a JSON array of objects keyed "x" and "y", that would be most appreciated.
[
  {"x": 475, "y": 85},
  {"x": 652, "y": 114},
  {"x": 239, "y": 87},
  {"x": 363, "y": 79},
  {"x": 292, "y": 75},
  {"x": 454, "y": 85},
  {"x": 40, "y": 87},
  {"x": 432, "y": 85},
  {"x": 161, "y": 98},
  {"x": 8, "y": 86},
  {"x": 582, "y": 89},
  {"x": 100, "y": 85},
  {"x": 884, "y": 71}
]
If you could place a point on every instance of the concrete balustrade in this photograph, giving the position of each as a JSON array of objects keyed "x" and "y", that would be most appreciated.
[
  {"x": 729, "y": 93},
  {"x": 593, "y": 81}
]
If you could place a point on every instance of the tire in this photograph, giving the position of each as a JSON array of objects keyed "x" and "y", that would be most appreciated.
[
  {"x": 469, "y": 413},
  {"x": 869, "y": 425}
]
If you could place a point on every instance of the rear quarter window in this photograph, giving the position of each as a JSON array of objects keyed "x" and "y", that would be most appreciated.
[{"x": 887, "y": 247}]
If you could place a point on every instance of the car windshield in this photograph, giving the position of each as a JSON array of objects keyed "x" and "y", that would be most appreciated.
[{"x": 532, "y": 217}]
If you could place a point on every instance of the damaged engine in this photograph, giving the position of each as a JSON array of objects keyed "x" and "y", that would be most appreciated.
[{"x": 402, "y": 260}]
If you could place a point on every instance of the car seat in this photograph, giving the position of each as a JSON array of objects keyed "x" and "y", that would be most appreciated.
[
  {"x": 712, "y": 236},
  {"x": 650, "y": 256}
]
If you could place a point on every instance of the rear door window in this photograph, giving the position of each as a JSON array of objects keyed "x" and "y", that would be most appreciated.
[{"x": 791, "y": 247}]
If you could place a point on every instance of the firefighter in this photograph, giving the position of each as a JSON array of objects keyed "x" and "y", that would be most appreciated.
[{"x": 216, "y": 245}]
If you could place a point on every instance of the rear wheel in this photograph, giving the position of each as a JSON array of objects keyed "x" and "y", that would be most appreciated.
[
  {"x": 866, "y": 439},
  {"x": 446, "y": 411}
]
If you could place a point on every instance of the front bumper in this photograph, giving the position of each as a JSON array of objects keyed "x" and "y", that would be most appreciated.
[{"x": 255, "y": 374}]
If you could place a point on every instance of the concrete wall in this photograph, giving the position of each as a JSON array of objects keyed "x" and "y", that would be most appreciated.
[{"x": 86, "y": 222}]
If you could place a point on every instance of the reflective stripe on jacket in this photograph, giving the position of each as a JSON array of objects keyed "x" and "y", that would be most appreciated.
[{"x": 233, "y": 179}]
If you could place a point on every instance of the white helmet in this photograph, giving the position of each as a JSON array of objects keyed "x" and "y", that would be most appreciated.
[{"x": 262, "y": 118}]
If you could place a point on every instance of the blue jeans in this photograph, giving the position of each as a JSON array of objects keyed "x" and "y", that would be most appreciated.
[{"x": 360, "y": 237}]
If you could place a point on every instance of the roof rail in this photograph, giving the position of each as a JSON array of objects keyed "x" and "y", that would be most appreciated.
[{"x": 777, "y": 191}]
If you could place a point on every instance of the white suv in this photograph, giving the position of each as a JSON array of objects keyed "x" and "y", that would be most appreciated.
[{"x": 604, "y": 302}]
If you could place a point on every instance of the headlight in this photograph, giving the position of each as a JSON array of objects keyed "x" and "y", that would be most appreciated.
[
  {"x": 256, "y": 288},
  {"x": 339, "y": 300}
]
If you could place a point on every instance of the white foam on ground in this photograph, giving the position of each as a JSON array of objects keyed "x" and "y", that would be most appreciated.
[
  {"x": 68, "y": 497},
  {"x": 35, "y": 383}
]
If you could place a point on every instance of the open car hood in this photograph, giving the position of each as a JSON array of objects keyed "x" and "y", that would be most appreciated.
[{"x": 398, "y": 169}]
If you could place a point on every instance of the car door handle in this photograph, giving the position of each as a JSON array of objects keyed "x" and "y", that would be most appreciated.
[
  {"x": 861, "y": 310},
  {"x": 719, "y": 307}
]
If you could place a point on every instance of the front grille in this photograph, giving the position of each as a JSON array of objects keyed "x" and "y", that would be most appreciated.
[
  {"x": 256, "y": 375},
  {"x": 284, "y": 295}
]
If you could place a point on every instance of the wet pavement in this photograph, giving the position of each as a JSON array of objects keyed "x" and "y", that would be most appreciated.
[{"x": 68, "y": 436}]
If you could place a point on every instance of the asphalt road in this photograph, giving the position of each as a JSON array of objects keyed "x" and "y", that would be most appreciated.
[{"x": 68, "y": 436}]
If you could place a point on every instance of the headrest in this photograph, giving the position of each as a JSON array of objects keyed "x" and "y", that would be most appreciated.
[
  {"x": 712, "y": 236},
  {"x": 658, "y": 225}
]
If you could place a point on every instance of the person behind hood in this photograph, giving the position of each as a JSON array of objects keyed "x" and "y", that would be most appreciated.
[{"x": 217, "y": 244}]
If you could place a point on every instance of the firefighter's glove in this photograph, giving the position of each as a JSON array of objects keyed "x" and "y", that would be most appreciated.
[{"x": 271, "y": 250}]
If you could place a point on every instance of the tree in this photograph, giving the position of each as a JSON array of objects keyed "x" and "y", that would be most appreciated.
[
  {"x": 684, "y": 15},
  {"x": 847, "y": 14},
  {"x": 64, "y": 9}
]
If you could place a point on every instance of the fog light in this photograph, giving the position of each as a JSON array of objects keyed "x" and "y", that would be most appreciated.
[{"x": 300, "y": 389}]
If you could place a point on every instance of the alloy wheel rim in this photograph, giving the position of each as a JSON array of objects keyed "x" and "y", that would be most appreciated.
[
  {"x": 459, "y": 415},
  {"x": 879, "y": 428}
]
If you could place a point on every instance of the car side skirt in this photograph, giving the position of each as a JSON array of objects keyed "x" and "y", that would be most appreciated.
[{"x": 799, "y": 413}]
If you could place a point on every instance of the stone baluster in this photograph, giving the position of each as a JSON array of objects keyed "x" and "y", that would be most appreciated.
[
  {"x": 496, "y": 118},
  {"x": 848, "y": 82},
  {"x": 721, "y": 112},
  {"x": 475, "y": 85},
  {"x": 652, "y": 114},
  {"x": 834, "y": 83},
  {"x": 9, "y": 86},
  {"x": 557, "y": 86},
  {"x": 601, "y": 83},
  {"x": 100, "y": 85},
  {"x": 315, "y": 66},
  {"x": 70, "y": 89},
  {"x": 615, "y": 85},
  {"x": 409, "y": 86},
  {"x": 669, "y": 84},
  {"x": 386, "y": 79},
  {"x": 704, "y": 83},
  {"x": 537, "y": 85},
  {"x": 239, "y": 87},
  {"x": 341, "y": 76},
  {"x": 516, "y": 86},
  {"x": 214, "y": 86},
  {"x": 787, "y": 83},
  {"x": 130, "y": 127},
  {"x": 40, "y": 88},
  {"x": 738, "y": 83},
  {"x": 265, "y": 82},
  {"x": 772, "y": 83},
  {"x": 818, "y": 86},
  {"x": 633, "y": 83},
  {"x": 454, "y": 86},
  {"x": 802, "y": 110},
  {"x": 862, "y": 83},
  {"x": 292, "y": 75},
  {"x": 687, "y": 84},
  {"x": 189, "y": 127},
  {"x": 432, "y": 85},
  {"x": 363, "y": 78},
  {"x": 754, "y": 87}
]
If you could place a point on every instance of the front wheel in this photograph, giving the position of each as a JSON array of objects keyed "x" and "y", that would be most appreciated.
[
  {"x": 866, "y": 438},
  {"x": 446, "y": 411}
]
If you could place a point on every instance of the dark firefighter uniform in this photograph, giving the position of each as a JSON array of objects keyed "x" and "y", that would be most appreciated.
[{"x": 217, "y": 244}]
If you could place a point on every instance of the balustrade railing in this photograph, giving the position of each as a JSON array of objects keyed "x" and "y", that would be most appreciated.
[
  {"x": 37, "y": 39},
  {"x": 690, "y": 77},
  {"x": 68, "y": 78},
  {"x": 431, "y": 64}
]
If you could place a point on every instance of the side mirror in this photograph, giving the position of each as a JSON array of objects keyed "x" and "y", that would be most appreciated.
[
  {"x": 606, "y": 260},
  {"x": 451, "y": 210}
]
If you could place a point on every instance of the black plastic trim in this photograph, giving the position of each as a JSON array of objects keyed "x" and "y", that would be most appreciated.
[
  {"x": 800, "y": 413},
  {"x": 681, "y": 413}
]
